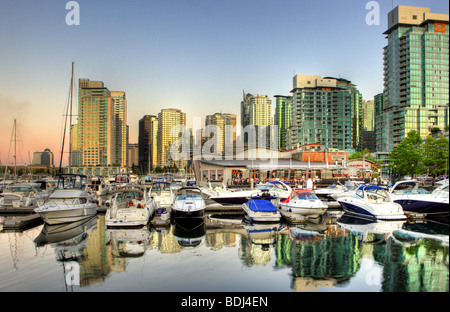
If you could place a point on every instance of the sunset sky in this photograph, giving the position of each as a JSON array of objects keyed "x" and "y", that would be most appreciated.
[{"x": 197, "y": 55}]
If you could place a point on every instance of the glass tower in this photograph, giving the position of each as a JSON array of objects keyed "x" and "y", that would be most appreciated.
[{"x": 416, "y": 74}]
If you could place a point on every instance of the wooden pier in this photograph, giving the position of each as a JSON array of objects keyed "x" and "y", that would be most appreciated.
[{"x": 20, "y": 222}]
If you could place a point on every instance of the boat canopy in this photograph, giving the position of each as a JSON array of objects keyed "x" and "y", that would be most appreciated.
[{"x": 261, "y": 205}]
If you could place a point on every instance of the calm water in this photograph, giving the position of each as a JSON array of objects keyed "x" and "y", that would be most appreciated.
[{"x": 222, "y": 254}]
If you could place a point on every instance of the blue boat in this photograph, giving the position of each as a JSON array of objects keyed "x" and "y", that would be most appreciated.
[{"x": 260, "y": 208}]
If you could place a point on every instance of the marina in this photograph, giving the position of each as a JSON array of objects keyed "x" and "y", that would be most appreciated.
[{"x": 222, "y": 249}]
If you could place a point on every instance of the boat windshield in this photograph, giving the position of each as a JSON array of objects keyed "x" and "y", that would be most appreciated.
[
  {"x": 411, "y": 191},
  {"x": 306, "y": 196},
  {"x": 189, "y": 196},
  {"x": 21, "y": 189},
  {"x": 68, "y": 201},
  {"x": 129, "y": 196},
  {"x": 271, "y": 186},
  {"x": 158, "y": 188}
]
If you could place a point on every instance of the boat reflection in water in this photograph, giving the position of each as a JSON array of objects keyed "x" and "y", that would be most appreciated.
[
  {"x": 189, "y": 232},
  {"x": 128, "y": 242},
  {"x": 370, "y": 232},
  {"x": 412, "y": 234}
]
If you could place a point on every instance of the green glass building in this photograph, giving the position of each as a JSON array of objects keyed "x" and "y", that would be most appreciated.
[
  {"x": 327, "y": 111},
  {"x": 282, "y": 118},
  {"x": 416, "y": 74}
]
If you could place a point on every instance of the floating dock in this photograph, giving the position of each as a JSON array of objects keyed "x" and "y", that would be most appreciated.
[{"x": 20, "y": 222}]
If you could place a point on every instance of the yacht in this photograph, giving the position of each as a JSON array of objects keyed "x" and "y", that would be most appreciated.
[
  {"x": 69, "y": 202},
  {"x": 300, "y": 203},
  {"x": 162, "y": 193},
  {"x": 372, "y": 202},
  {"x": 261, "y": 208},
  {"x": 277, "y": 188},
  {"x": 130, "y": 206},
  {"x": 417, "y": 200},
  {"x": 189, "y": 203},
  {"x": 22, "y": 194},
  {"x": 326, "y": 194}
]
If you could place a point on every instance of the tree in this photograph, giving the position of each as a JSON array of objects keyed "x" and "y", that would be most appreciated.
[
  {"x": 435, "y": 154},
  {"x": 406, "y": 157},
  {"x": 366, "y": 153}
]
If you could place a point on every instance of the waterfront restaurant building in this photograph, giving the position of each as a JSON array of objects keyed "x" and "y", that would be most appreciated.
[{"x": 264, "y": 164}]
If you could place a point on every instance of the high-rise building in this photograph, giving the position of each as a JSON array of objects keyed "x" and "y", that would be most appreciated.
[
  {"x": 256, "y": 110},
  {"x": 96, "y": 124},
  {"x": 381, "y": 125},
  {"x": 368, "y": 131},
  {"x": 167, "y": 120},
  {"x": 416, "y": 74},
  {"x": 221, "y": 121},
  {"x": 133, "y": 155},
  {"x": 120, "y": 112},
  {"x": 44, "y": 158},
  {"x": 327, "y": 111},
  {"x": 283, "y": 111},
  {"x": 148, "y": 130}
]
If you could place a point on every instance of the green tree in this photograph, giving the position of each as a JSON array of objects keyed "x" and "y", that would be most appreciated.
[
  {"x": 406, "y": 157},
  {"x": 435, "y": 154},
  {"x": 366, "y": 153}
]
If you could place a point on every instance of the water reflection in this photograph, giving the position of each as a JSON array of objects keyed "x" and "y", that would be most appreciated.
[{"x": 317, "y": 255}]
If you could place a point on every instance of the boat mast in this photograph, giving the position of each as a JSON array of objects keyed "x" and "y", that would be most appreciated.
[
  {"x": 65, "y": 126},
  {"x": 15, "y": 151},
  {"x": 70, "y": 121}
]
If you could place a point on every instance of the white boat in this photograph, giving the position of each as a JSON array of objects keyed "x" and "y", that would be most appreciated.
[
  {"x": 130, "y": 206},
  {"x": 21, "y": 195},
  {"x": 300, "y": 203},
  {"x": 372, "y": 202},
  {"x": 70, "y": 202},
  {"x": 349, "y": 189},
  {"x": 98, "y": 187},
  {"x": 277, "y": 188},
  {"x": 442, "y": 190},
  {"x": 326, "y": 194},
  {"x": 417, "y": 200},
  {"x": 162, "y": 193},
  {"x": 261, "y": 208},
  {"x": 189, "y": 203}
]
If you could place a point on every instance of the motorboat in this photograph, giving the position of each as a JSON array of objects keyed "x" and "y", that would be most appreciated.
[
  {"x": 162, "y": 193},
  {"x": 326, "y": 194},
  {"x": 189, "y": 203},
  {"x": 277, "y": 188},
  {"x": 417, "y": 200},
  {"x": 130, "y": 206},
  {"x": 300, "y": 203},
  {"x": 70, "y": 202},
  {"x": 98, "y": 187},
  {"x": 214, "y": 188},
  {"x": 261, "y": 208},
  {"x": 349, "y": 189},
  {"x": 372, "y": 202},
  {"x": 442, "y": 190},
  {"x": 22, "y": 194}
]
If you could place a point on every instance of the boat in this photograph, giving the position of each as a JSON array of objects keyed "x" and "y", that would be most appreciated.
[
  {"x": 260, "y": 208},
  {"x": 130, "y": 206},
  {"x": 349, "y": 189},
  {"x": 70, "y": 202},
  {"x": 98, "y": 187},
  {"x": 277, "y": 188},
  {"x": 301, "y": 203},
  {"x": 189, "y": 203},
  {"x": 162, "y": 193},
  {"x": 372, "y": 202},
  {"x": 326, "y": 194},
  {"x": 442, "y": 190},
  {"x": 22, "y": 194},
  {"x": 418, "y": 201}
]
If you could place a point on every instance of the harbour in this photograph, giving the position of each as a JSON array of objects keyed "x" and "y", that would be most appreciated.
[{"x": 223, "y": 251}]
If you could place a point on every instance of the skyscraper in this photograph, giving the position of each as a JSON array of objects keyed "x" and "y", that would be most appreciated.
[
  {"x": 283, "y": 111},
  {"x": 96, "y": 124},
  {"x": 256, "y": 110},
  {"x": 168, "y": 119},
  {"x": 327, "y": 111},
  {"x": 120, "y": 115},
  {"x": 148, "y": 130},
  {"x": 416, "y": 74},
  {"x": 221, "y": 121}
]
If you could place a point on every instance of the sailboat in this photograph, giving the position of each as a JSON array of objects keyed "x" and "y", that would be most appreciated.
[{"x": 71, "y": 201}]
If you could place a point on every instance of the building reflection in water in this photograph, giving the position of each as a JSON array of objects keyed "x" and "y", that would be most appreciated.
[{"x": 414, "y": 256}]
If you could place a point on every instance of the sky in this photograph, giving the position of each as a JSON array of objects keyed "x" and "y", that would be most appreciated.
[{"x": 197, "y": 55}]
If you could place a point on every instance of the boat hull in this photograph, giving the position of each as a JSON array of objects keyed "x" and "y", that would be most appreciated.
[
  {"x": 423, "y": 207},
  {"x": 188, "y": 214},
  {"x": 365, "y": 213},
  {"x": 60, "y": 216}
]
